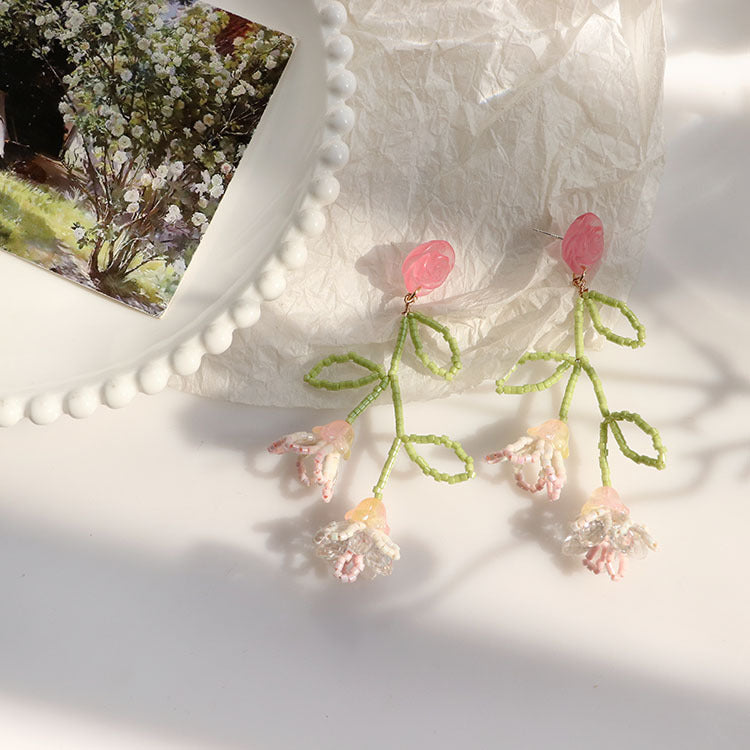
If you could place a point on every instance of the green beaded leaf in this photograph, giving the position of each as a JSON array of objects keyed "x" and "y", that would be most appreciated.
[
  {"x": 375, "y": 372},
  {"x": 591, "y": 298},
  {"x": 565, "y": 360},
  {"x": 410, "y": 441},
  {"x": 612, "y": 421},
  {"x": 416, "y": 319}
]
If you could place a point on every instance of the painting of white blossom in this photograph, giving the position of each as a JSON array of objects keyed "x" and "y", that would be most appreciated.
[{"x": 121, "y": 125}]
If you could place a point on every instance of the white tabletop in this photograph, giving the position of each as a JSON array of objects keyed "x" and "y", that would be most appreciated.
[{"x": 158, "y": 590}]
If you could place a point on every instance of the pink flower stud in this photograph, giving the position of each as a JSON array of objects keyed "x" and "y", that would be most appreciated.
[
  {"x": 427, "y": 266},
  {"x": 583, "y": 243}
]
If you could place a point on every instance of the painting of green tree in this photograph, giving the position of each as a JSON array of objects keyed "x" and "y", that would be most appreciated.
[{"x": 122, "y": 123}]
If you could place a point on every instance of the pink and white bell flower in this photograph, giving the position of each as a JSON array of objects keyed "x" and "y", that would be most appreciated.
[
  {"x": 543, "y": 450},
  {"x": 604, "y": 534},
  {"x": 359, "y": 545},
  {"x": 319, "y": 453}
]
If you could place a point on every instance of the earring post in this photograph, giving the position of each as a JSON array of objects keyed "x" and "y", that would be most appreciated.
[{"x": 549, "y": 234}]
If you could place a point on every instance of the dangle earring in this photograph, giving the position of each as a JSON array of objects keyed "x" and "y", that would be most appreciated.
[
  {"x": 603, "y": 532},
  {"x": 361, "y": 544}
]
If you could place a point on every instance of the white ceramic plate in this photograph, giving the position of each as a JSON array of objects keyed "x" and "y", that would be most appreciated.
[{"x": 67, "y": 351}]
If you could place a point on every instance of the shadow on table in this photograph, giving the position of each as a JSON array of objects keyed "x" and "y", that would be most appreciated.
[
  {"x": 216, "y": 649},
  {"x": 694, "y": 245},
  {"x": 290, "y": 538}
]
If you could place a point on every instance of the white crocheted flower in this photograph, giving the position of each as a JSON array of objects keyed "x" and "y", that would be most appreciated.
[
  {"x": 360, "y": 545},
  {"x": 604, "y": 534}
]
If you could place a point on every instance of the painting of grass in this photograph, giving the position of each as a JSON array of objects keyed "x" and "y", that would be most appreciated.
[
  {"x": 36, "y": 224},
  {"x": 37, "y": 221}
]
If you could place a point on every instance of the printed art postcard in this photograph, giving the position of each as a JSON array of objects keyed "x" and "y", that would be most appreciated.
[{"x": 121, "y": 125}]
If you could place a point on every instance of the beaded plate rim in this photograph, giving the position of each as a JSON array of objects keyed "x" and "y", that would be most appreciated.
[{"x": 184, "y": 356}]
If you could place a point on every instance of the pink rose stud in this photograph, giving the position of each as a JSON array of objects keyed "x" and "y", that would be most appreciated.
[
  {"x": 427, "y": 266},
  {"x": 583, "y": 243}
]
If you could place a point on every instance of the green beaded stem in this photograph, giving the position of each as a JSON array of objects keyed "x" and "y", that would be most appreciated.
[
  {"x": 409, "y": 328},
  {"x": 578, "y": 327},
  {"x": 377, "y": 490},
  {"x": 603, "y": 455},
  {"x": 367, "y": 400},
  {"x": 587, "y": 301},
  {"x": 570, "y": 389}
]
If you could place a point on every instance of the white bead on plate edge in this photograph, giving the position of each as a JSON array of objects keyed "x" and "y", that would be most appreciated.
[{"x": 185, "y": 359}]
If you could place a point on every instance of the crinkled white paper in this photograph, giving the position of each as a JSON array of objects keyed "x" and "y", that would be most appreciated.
[{"x": 477, "y": 121}]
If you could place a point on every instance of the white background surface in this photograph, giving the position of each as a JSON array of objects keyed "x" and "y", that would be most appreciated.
[{"x": 156, "y": 587}]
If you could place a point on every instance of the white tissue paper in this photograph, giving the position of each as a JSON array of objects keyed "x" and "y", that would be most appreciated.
[{"x": 478, "y": 120}]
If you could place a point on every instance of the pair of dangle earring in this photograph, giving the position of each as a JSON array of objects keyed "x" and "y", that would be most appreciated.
[{"x": 603, "y": 532}]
